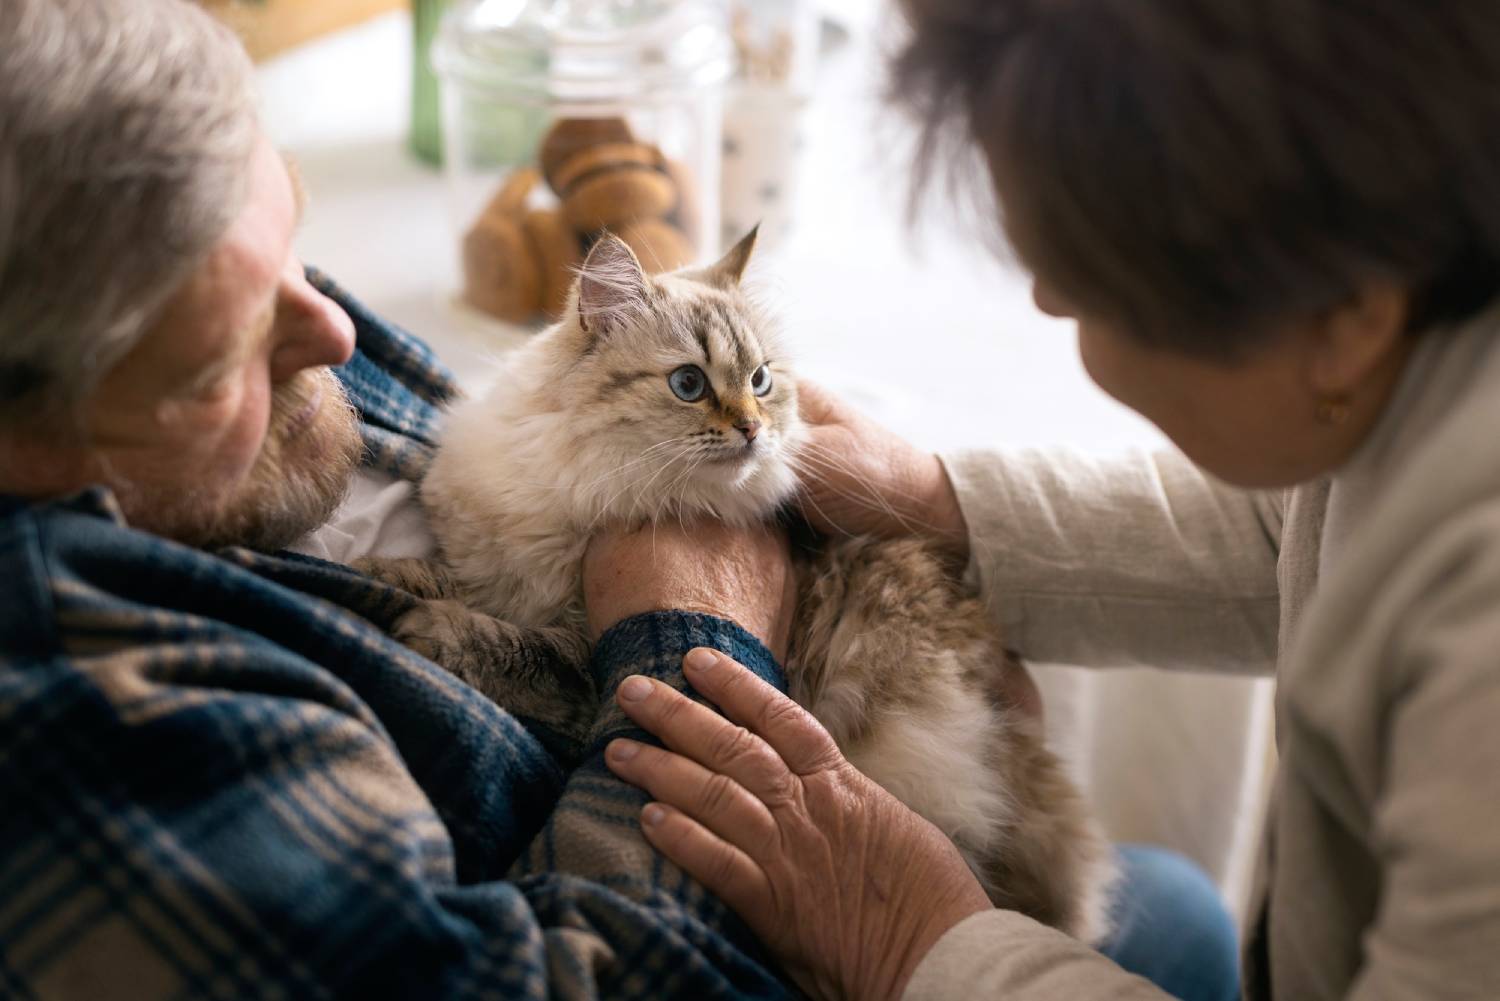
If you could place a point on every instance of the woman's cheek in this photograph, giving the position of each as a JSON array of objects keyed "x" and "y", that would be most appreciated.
[
  {"x": 1131, "y": 376},
  {"x": 1096, "y": 363}
]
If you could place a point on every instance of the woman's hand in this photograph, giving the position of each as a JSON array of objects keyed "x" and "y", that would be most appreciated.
[
  {"x": 744, "y": 575},
  {"x": 847, "y": 887},
  {"x": 859, "y": 478}
]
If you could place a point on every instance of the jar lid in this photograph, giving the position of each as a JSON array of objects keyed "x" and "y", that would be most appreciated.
[{"x": 583, "y": 50}]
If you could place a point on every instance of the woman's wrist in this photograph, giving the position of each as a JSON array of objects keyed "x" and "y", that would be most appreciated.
[
  {"x": 953, "y": 913},
  {"x": 945, "y": 516},
  {"x": 935, "y": 893}
]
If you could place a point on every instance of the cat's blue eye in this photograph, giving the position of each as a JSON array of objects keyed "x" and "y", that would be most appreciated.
[
  {"x": 689, "y": 383},
  {"x": 760, "y": 381}
]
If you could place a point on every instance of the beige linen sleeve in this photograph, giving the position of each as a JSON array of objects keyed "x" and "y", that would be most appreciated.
[
  {"x": 1436, "y": 782},
  {"x": 1135, "y": 560},
  {"x": 1002, "y": 954}
]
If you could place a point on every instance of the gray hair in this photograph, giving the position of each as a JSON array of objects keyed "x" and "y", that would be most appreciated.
[{"x": 126, "y": 134}]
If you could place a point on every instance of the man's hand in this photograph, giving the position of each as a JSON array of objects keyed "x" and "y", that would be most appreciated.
[
  {"x": 858, "y": 478},
  {"x": 744, "y": 575},
  {"x": 847, "y": 887}
]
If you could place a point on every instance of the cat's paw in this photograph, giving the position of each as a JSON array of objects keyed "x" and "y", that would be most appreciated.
[
  {"x": 446, "y": 633},
  {"x": 537, "y": 674},
  {"x": 426, "y": 579}
]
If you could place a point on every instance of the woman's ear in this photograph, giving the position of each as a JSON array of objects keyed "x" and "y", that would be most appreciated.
[{"x": 1355, "y": 341}]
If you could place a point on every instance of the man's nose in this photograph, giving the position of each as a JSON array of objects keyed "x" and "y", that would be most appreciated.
[
  {"x": 311, "y": 329},
  {"x": 747, "y": 427}
]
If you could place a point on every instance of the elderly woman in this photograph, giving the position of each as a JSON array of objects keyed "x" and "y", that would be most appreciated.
[{"x": 1278, "y": 229}]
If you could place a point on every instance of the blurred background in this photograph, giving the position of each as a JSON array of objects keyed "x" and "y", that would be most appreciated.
[{"x": 551, "y": 116}]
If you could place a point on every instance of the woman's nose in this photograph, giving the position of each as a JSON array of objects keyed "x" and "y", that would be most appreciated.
[
  {"x": 1047, "y": 301},
  {"x": 311, "y": 330}
]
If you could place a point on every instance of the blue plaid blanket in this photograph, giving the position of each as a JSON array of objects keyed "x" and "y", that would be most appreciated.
[{"x": 219, "y": 778}]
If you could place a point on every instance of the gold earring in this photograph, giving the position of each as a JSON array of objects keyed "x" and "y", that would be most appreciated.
[{"x": 1333, "y": 412}]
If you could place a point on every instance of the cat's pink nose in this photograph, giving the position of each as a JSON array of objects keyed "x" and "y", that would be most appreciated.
[{"x": 748, "y": 428}]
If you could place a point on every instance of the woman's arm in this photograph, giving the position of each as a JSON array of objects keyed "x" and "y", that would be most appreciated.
[
  {"x": 1136, "y": 560},
  {"x": 1140, "y": 559}
]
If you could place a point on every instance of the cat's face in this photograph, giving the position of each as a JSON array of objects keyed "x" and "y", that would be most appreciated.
[{"x": 679, "y": 393}]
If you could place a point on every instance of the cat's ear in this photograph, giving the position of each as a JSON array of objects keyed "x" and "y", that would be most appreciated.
[
  {"x": 611, "y": 286},
  {"x": 731, "y": 267}
]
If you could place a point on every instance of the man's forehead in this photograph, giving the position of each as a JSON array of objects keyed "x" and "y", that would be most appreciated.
[{"x": 225, "y": 306}]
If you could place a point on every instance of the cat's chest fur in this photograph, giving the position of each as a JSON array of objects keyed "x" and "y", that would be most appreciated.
[{"x": 501, "y": 500}]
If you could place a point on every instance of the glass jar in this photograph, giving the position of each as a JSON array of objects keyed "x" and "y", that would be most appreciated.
[
  {"x": 776, "y": 47},
  {"x": 565, "y": 119}
]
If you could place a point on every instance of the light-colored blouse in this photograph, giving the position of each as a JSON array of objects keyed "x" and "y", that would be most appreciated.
[{"x": 1379, "y": 875}]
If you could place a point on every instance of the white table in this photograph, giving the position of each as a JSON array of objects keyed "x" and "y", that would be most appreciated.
[{"x": 925, "y": 330}]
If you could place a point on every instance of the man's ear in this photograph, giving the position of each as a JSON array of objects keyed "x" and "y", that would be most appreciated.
[
  {"x": 611, "y": 286},
  {"x": 1354, "y": 340},
  {"x": 730, "y": 268}
]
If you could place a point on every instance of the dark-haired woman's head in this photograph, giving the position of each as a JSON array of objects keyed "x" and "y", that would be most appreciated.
[{"x": 1217, "y": 185}]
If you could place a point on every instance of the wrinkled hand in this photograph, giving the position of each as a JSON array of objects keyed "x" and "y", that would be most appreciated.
[
  {"x": 860, "y": 478},
  {"x": 845, "y": 885},
  {"x": 744, "y": 575}
]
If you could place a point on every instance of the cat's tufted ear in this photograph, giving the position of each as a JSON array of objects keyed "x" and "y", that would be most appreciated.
[
  {"x": 731, "y": 267},
  {"x": 611, "y": 286}
]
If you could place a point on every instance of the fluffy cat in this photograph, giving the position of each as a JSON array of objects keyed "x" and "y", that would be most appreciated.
[{"x": 669, "y": 396}]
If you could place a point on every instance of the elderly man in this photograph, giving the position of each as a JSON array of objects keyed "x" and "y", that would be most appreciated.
[{"x": 218, "y": 776}]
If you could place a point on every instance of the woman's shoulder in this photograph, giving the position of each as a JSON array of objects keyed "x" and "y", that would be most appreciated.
[
  {"x": 1421, "y": 544},
  {"x": 1415, "y": 598},
  {"x": 1444, "y": 594}
]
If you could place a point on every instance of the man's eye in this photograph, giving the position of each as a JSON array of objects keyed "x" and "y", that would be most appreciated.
[
  {"x": 689, "y": 383},
  {"x": 208, "y": 385},
  {"x": 760, "y": 381}
]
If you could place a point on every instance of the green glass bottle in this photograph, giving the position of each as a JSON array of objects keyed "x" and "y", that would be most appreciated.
[{"x": 426, "y": 138}]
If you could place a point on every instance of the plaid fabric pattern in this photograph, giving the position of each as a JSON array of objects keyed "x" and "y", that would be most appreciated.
[
  {"x": 220, "y": 779},
  {"x": 397, "y": 384}
]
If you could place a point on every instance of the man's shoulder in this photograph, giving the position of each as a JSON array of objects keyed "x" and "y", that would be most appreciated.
[
  {"x": 75, "y": 569},
  {"x": 42, "y": 539},
  {"x": 102, "y": 614}
]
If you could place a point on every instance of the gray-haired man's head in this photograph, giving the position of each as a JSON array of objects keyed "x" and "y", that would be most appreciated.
[{"x": 157, "y": 334}]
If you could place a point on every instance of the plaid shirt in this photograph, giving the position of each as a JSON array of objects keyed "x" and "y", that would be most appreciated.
[{"x": 220, "y": 779}]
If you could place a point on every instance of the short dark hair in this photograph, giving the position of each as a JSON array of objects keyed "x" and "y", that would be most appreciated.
[{"x": 1200, "y": 170}]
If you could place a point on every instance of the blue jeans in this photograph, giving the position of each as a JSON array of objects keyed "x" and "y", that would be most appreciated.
[{"x": 1171, "y": 927}]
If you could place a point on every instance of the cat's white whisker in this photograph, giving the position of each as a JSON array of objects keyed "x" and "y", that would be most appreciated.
[
  {"x": 817, "y": 507},
  {"x": 643, "y": 457},
  {"x": 823, "y": 452},
  {"x": 641, "y": 488},
  {"x": 665, "y": 466},
  {"x": 839, "y": 464},
  {"x": 870, "y": 499},
  {"x": 607, "y": 508},
  {"x": 669, "y": 494}
]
